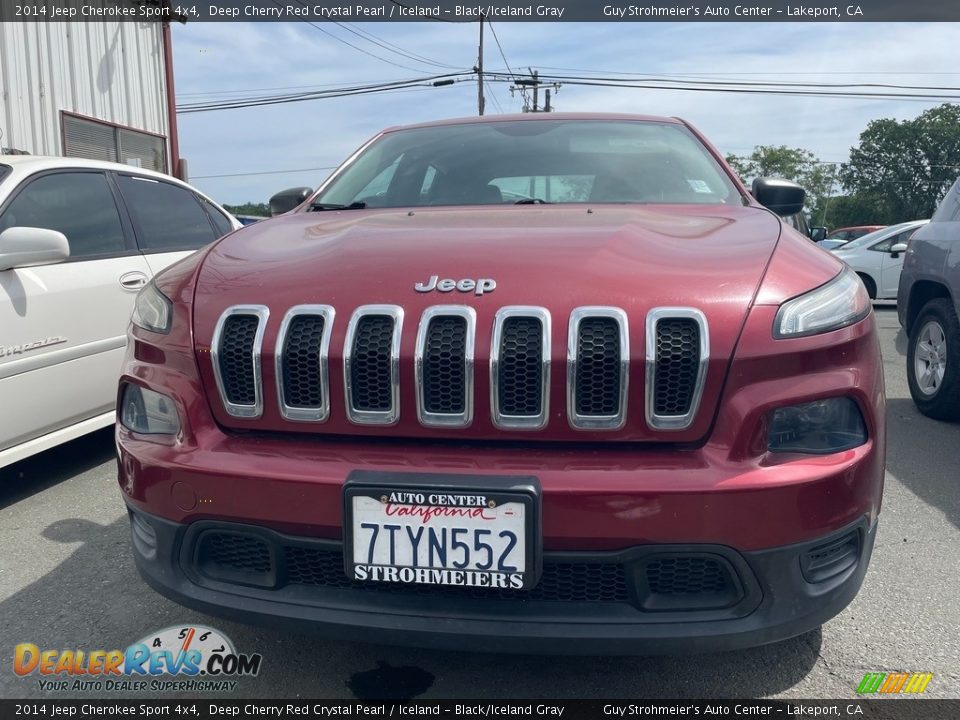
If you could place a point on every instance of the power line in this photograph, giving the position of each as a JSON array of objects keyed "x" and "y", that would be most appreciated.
[
  {"x": 807, "y": 90},
  {"x": 210, "y": 93},
  {"x": 350, "y": 44},
  {"x": 771, "y": 83},
  {"x": 757, "y": 73},
  {"x": 619, "y": 83},
  {"x": 327, "y": 96},
  {"x": 264, "y": 172},
  {"x": 359, "y": 49},
  {"x": 523, "y": 91},
  {"x": 342, "y": 91},
  {"x": 494, "y": 97},
  {"x": 387, "y": 45}
]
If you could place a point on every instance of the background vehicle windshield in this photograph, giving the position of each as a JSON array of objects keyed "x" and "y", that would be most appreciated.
[
  {"x": 511, "y": 162},
  {"x": 878, "y": 235}
]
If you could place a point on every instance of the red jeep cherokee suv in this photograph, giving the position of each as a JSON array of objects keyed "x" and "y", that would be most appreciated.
[{"x": 549, "y": 383}]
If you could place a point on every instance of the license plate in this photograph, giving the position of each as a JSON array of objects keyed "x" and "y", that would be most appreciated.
[{"x": 427, "y": 535}]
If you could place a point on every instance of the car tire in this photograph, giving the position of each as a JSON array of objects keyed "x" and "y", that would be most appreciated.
[
  {"x": 933, "y": 361},
  {"x": 869, "y": 284}
]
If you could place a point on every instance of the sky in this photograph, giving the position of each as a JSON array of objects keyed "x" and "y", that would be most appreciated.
[{"x": 246, "y": 155}]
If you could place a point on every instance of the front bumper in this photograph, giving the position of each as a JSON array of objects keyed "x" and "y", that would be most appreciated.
[{"x": 592, "y": 602}]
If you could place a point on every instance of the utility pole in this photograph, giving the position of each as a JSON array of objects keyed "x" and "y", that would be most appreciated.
[
  {"x": 536, "y": 87},
  {"x": 522, "y": 83},
  {"x": 480, "y": 100}
]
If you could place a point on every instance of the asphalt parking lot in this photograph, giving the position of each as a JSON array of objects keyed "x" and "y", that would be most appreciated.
[{"x": 67, "y": 580}]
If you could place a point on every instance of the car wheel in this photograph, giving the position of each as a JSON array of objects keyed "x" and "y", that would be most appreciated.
[
  {"x": 933, "y": 361},
  {"x": 869, "y": 284}
]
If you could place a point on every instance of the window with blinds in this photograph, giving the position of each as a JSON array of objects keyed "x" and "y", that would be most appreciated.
[{"x": 101, "y": 141}]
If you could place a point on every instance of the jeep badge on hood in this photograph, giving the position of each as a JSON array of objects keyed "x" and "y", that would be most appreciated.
[{"x": 479, "y": 286}]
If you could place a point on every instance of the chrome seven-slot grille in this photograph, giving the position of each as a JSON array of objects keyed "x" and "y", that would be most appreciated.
[{"x": 597, "y": 367}]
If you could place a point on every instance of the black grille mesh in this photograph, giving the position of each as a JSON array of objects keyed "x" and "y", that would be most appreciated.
[
  {"x": 370, "y": 364},
  {"x": 687, "y": 576},
  {"x": 302, "y": 385},
  {"x": 235, "y": 551},
  {"x": 659, "y": 582},
  {"x": 598, "y": 367},
  {"x": 235, "y": 356},
  {"x": 560, "y": 582},
  {"x": 520, "y": 374},
  {"x": 444, "y": 368},
  {"x": 677, "y": 364}
]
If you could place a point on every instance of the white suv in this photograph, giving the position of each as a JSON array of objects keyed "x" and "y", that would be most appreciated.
[{"x": 78, "y": 240}]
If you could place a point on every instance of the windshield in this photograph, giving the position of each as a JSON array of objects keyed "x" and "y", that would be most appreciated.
[
  {"x": 870, "y": 238},
  {"x": 522, "y": 162}
]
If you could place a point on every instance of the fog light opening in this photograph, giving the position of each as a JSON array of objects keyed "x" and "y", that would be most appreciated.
[
  {"x": 831, "y": 559},
  {"x": 820, "y": 427},
  {"x": 147, "y": 412}
]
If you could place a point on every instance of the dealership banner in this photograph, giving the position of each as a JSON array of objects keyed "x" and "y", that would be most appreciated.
[
  {"x": 818, "y": 11},
  {"x": 569, "y": 709}
]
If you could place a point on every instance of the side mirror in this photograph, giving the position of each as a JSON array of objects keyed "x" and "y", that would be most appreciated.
[
  {"x": 29, "y": 246},
  {"x": 897, "y": 249},
  {"x": 287, "y": 200},
  {"x": 781, "y": 196},
  {"x": 818, "y": 233}
]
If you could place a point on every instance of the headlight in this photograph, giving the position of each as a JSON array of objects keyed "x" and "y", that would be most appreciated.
[
  {"x": 841, "y": 302},
  {"x": 819, "y": 427},
  {"x": 152, "y": 310},
  {"x": 148, "y": 412}
]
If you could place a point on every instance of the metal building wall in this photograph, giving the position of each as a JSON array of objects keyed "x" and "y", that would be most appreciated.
[{"x": 111, "y": 71}]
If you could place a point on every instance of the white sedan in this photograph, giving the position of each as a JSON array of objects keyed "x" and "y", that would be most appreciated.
[
  {"x": 878, "y": 257},
  {"x": 78, "y": 240}
]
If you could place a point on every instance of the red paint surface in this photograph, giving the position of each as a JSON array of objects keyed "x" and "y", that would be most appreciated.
[{"x": 712, "y": 483}]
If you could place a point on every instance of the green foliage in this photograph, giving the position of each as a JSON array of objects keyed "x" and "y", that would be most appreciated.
[
  {"x": 846, "y": 210},
  {"x": 249, "y": 208},
  {"x": 794, "y": 164},
  {"x": 903, "y": 169},
  {"x": 900, "y": 171}
]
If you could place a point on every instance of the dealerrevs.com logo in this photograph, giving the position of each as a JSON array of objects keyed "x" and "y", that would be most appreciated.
[{"x": 183, "y": 658}]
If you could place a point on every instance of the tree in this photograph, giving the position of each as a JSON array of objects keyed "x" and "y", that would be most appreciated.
[
  {"x": 905, "y": 168},
  {"x": 845, "y": 210},
  {"x": 249, "y": 208},
  {"x": 795, "y": 164}
]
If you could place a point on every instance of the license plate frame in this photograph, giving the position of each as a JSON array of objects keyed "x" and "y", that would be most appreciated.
[{"x": 497, "y": 488}]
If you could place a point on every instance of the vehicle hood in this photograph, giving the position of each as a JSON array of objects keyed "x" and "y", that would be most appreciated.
[
  {"x": 606, "y": 255},
  {"x": 559, "y": 257}
]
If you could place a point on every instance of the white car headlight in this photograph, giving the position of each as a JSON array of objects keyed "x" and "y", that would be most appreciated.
[
  {"x": 152, "y": 310},
  {"x": 841, "y": 302}
]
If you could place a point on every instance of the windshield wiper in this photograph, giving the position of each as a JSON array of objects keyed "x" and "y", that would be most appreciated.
[
  {"x": 533, "y": 201},
  {"x": 318, "y": 206}
]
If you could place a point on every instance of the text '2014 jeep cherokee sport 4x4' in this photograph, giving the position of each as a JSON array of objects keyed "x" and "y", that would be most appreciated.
[{"x": 547, "y": 382}]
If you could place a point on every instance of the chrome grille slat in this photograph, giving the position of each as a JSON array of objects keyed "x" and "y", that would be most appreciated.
[
  {"x": 598, "y": 365},
  {"x": 235, "y": 351},
  {"x": 598, "y": 361},
  {"x": 674, "y": 381},
  {"x": 302, "y": 355},
  {"x": 444, "y": 366},
  {"x": 376, "y": 403},
  {"x": 520, "y": 376}
]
